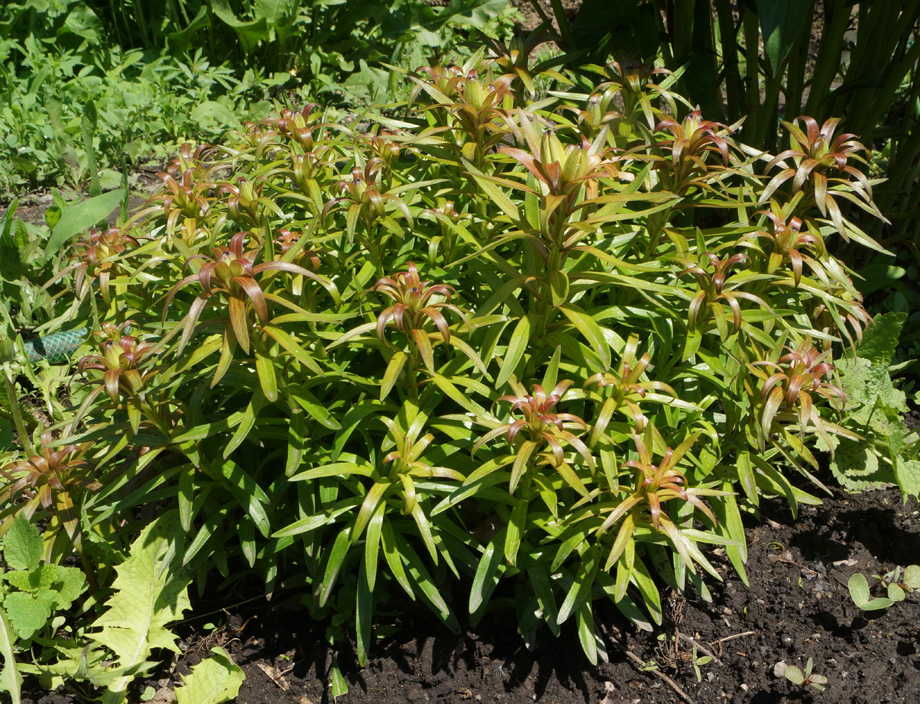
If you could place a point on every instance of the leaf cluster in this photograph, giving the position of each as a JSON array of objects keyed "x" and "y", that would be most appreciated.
[
  {"x": 895, "y": 583},
  {"x": 888, "y": 452},
  {"x": 36, "y": 591},
  {"x": 500, "y": 350}
]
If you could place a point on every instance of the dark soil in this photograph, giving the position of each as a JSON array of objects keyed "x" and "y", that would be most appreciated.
[{"x": 796, "y": 607}]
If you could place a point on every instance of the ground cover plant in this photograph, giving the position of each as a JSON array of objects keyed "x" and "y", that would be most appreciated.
[{"x": 500, "y": 352}]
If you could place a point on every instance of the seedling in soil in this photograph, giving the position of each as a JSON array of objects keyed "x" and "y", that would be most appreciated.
[
  {"x": 699, "y": 661},
  {"x": 896, "y": 588},
  {"x": 806, "y": 679}
]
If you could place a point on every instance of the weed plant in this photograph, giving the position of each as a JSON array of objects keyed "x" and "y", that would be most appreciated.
[{"x": 553, "y": 345}]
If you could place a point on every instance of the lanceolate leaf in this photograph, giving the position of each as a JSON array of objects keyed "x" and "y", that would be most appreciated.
[
  {"x": 486, "y": 578},
  {"x": 517, "y": 345},
  {"x": 589, "y": 330},
  {"x": 781, "y": 21}
]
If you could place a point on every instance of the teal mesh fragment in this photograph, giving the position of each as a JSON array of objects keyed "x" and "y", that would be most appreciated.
[{"x": 56, "y": 347}]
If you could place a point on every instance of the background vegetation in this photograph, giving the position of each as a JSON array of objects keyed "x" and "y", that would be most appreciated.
[{"x": 92, "y": 87}]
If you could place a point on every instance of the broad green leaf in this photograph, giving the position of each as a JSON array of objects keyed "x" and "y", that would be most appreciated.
[
  {"x": 80, "y": 217},
  {"x": 907, "y": 472},
  {"x": 880, "y": 340},
  {"x": 22, "y": 544},
  {"x": 180, "y": 41},
  {"x": 214, "y": 680},
  {"x": 249, "y": 32},
  {"x": 217, "y": 114},
  {"x": 912, "y": 576},
  {"x": 28, "y": 613},
  {"x": 859, "y": 592},
  {"x": 895, "y": 593}
]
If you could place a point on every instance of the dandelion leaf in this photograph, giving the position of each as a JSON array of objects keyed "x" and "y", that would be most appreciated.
[
  {"x": 150, "y": 592},
  {"x": 212, "y": 681}
]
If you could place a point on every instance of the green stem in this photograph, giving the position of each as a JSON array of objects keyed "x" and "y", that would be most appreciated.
[
  {"x": 656, "y": 223},
  {"x": 88, "y": 569},
  {"x": 412, "y": 373},
  {"x": 564, "y": 28},
  {"x": 24, "y": 437}
]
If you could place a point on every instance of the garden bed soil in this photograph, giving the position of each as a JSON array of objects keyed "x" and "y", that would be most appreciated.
[{"x": 796, "y": 607}]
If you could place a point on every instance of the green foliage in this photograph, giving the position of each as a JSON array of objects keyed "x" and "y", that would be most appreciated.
[
  {"x": 81, "y": 217},
  {"x": 10, "y": 679},
  {"x": 525, "y": 350},
  {"x": 149, "y": 592},
  {"x": 773, "y": 60},
  {"x": 805, "y": 679},
  {"x": 894, "y": 585},
  {"x": 212, "y": 681},
  {"x": 886, "y": 452},
  {"x": 31, "y": 595},
  {"x": 39, "y": 590},
  {"x": 89, "y": 85}
]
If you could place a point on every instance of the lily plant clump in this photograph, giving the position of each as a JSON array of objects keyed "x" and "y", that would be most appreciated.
[{"x": 499, "y": 350}]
